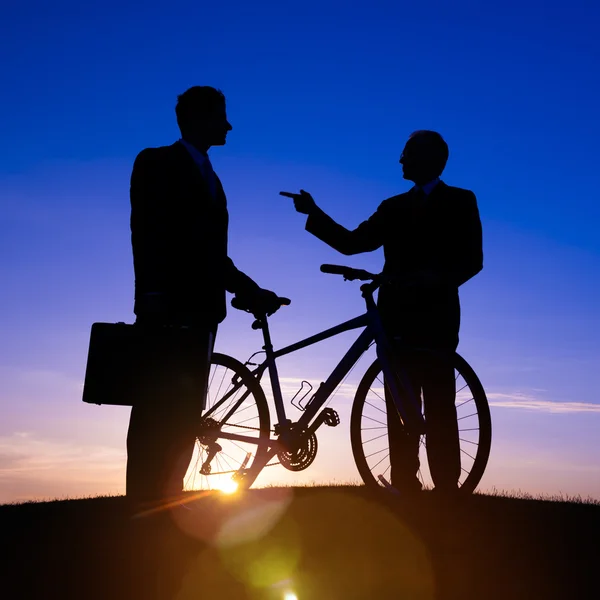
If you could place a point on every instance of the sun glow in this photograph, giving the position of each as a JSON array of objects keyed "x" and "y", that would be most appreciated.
[{"x": 229, "y": 486}]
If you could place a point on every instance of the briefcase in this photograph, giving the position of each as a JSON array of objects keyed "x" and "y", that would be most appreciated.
[{"x": 127, "y": 364}]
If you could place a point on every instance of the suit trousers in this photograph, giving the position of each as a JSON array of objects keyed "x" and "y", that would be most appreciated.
[
  {"x": 164, "y": 421},
  {"x": 433, "y": 383}
]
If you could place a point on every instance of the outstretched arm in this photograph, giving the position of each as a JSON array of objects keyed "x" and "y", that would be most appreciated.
[{"x": 366, "y": 237}]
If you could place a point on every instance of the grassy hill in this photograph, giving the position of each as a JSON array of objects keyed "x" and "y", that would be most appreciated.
[{"x": 304, "y": 543}]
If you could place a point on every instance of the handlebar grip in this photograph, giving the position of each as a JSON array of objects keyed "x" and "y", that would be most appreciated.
[
  {"x": 284, "y": 301},
  {"x": 334, "y": 269},
  {"x": 237, "y": 303}
]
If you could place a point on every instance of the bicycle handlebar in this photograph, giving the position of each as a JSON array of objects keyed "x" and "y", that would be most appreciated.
[{"x": 350, "y": 273}]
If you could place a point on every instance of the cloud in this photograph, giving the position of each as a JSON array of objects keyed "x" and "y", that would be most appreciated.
[
  {"x": 291, "y": 385},
  {"x": 528, "y": 402},
  {"x": 518, "y": 400},
  {"x": 32, "y": 467}
]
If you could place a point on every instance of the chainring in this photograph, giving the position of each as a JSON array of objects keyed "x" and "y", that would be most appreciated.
[{"x": 302, "y": 456}]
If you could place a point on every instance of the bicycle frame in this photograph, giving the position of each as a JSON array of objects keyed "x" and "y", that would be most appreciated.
[{"x": 373, "y": 332}]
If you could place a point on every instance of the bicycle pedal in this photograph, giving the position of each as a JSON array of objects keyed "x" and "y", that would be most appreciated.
[{"x": 330, "y": 417}]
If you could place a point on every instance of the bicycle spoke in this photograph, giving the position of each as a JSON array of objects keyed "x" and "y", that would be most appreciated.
[
  {"x": 462, "y": 388},
  {"x": 376, "y": 452},
  {"x": 378, "y": 395},
  {"x": 376, "y": 408},
  {"x": 376, "y": 465},
  {"x": 465, "y": 452},
  {"x": 375, "y": 438},
  {"x": 224, "y": 456},
  {"x": 238, "y": 446},
  {"x": 239, "y": 423},
  {"x": 465, "y": 402},
  {"x": 376, "y": 421},
  {"x": 467, "y": 416},
  {"x": 469, "y": 441},
  {"x": 237, "y": 412}
]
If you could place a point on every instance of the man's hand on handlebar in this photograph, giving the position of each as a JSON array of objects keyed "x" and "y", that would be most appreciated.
[{"x": 418, "y": 280}]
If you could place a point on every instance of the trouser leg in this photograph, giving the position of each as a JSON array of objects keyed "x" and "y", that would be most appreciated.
[
  {"x": 404, "y": 447},
  {"x": 163, "y": 424},
  {"x": 443, "y": 444}
]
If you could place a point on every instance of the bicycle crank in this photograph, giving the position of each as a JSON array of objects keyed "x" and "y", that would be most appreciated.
[{"x": 302, "y": 456}]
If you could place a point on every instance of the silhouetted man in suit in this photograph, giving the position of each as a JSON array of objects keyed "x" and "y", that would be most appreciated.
[
  {"x": 179, "y": 224},
  {"x": 432, "y": 242}
]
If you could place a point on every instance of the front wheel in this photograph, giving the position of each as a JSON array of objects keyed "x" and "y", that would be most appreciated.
[
  {"x": 369, "y": 437},
  {"x": 235, "y": 404}
]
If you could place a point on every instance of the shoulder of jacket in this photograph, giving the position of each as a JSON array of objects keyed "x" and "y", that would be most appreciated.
[
  {"x": 158, "y": 154},
  {"x": 396, "y": 200},
  {"x": 458, "y": 192}
]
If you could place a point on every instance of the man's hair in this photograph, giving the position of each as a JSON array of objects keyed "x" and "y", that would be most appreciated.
[
  {"x": 197, "y": 101},
  {"x": 438, "y": 146}
]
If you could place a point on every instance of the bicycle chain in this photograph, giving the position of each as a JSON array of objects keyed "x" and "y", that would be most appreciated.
[{"x": 258, "y": 429}]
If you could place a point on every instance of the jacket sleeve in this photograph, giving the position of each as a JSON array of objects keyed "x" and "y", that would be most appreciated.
[
  {"x": 237, "y": 282},
  {"x": 148, "y": 222},
  {"x": 468, "y": 255},
  {"x": 368, "y": 236}
]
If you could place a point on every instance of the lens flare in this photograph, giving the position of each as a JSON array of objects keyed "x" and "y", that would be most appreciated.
[{"x": 228, "y": 486}]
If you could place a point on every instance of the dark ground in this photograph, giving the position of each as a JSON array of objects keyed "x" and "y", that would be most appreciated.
[{"x": 320, "y": 543}]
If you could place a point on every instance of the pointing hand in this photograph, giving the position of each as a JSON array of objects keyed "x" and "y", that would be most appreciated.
[{"x": 303, "y": 202}]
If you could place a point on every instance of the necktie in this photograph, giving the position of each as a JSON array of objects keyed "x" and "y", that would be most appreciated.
[
  {"x": 419, "y": 200},
  {"x": 209, "y": 176}
]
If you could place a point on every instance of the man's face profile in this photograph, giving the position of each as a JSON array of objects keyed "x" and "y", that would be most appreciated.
[
  {"x": 418, "y": 160},
  {"x": 212, "y": 127},
  {"x": 217, "y": 126}
]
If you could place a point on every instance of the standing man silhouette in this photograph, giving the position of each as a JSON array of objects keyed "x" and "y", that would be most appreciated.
[
  {"x": 432, "y": 242},
  {"x": 179, "y": 224}
]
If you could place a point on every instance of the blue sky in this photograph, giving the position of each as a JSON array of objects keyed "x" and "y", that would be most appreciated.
[{"x": 321, "y": 96}]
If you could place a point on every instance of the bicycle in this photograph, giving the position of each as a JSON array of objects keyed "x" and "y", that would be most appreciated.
[{"x": 237, "y": 413}]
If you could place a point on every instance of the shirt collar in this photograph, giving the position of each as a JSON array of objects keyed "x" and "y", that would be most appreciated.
[
  {"x": 428, "y": 187},
  {"x": 199, "y": 157}
]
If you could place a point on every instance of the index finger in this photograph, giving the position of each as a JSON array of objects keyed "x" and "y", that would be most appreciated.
[{"x": 289, "y": 195}]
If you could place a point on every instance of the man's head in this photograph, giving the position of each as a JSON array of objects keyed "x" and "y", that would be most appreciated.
[
  {"x": 202, "y": 117},
  {"x": 424, "y": 156}
]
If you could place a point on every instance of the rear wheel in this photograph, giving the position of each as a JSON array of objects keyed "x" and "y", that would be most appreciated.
[
  {"x": 369, "y": 436},
  {"x": 235, "y": 404}
]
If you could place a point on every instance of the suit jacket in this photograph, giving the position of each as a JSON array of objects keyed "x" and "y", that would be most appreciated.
[
  {"x": 179, "y": 238},
  {"x": 441, "y": 234}
]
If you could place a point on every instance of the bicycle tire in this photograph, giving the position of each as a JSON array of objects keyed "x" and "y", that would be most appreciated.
[
  {"x": 469, "y": 481},
  {"x": 223, "y": 370}
]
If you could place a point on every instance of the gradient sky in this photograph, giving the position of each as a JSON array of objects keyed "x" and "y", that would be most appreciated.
[{"x": 321, "y": 96}]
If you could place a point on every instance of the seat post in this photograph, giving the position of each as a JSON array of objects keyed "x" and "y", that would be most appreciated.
[{"x": 273, "y": 374}]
